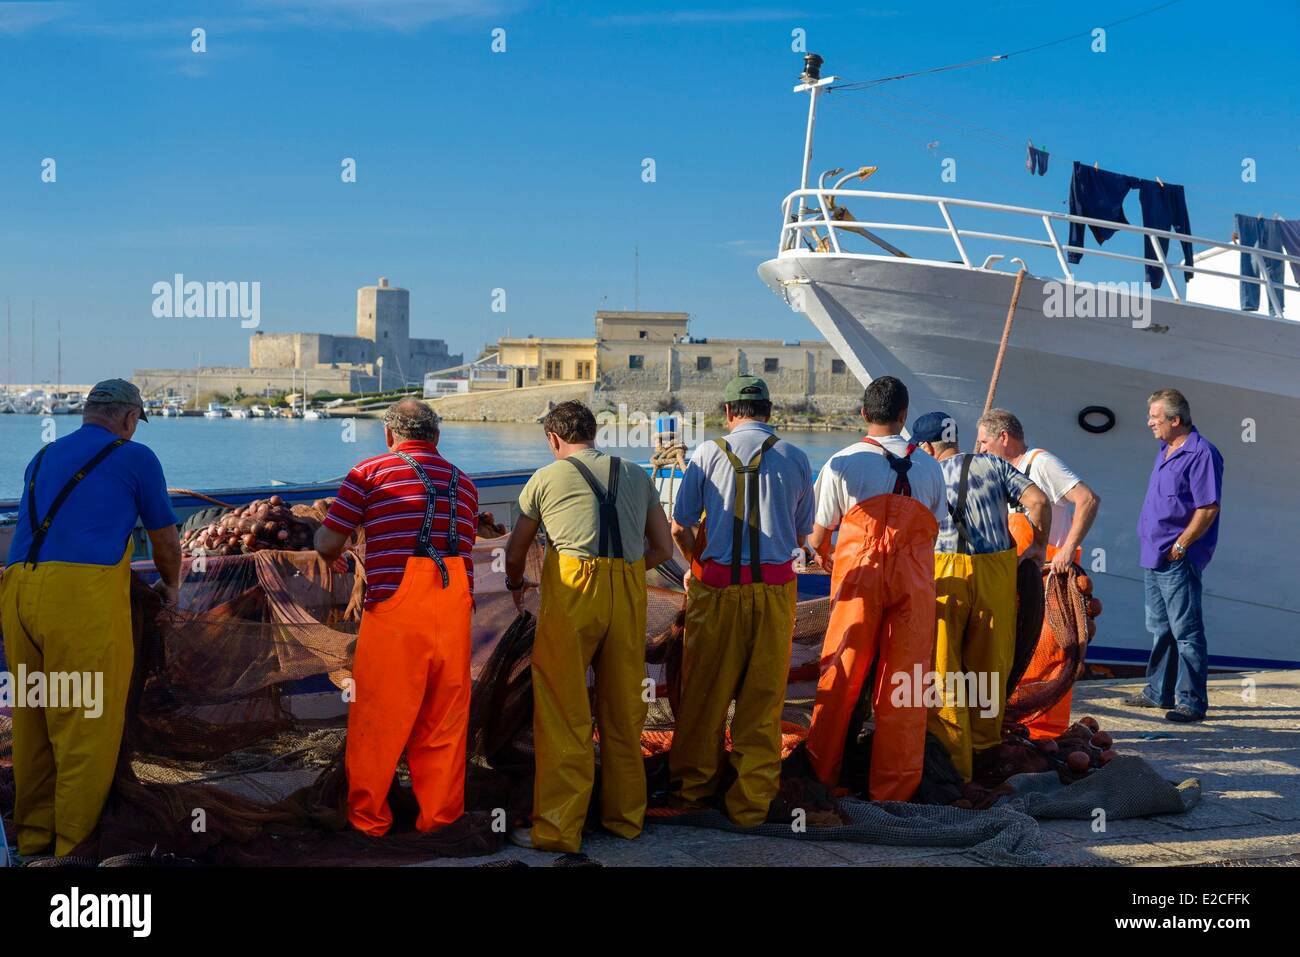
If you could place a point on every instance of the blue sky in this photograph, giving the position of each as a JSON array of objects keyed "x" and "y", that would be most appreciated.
[{"x": 522, "y": 170}]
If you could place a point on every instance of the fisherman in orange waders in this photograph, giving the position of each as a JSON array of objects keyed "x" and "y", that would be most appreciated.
[
  {"x": 885, "y": 496},
  {"x": 756, "y": 490},
  {"x": 411, "y": 665},
  {"x": 605, "y": 527},
  {"x": 1074, "y": 509}
]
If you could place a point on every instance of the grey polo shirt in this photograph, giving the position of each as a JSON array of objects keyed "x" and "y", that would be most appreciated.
[{"x": 786, "y": 503}]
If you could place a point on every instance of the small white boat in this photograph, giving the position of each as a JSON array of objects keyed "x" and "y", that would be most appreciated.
[
  {"x": 315, "y": 414},
  {"x": 259, "y": 412},
  {"x": 239, "y": 412},
  {"x": 216, "y": 411}
]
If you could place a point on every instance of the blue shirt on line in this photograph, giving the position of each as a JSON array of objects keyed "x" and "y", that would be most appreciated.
[
  {"x": 787, "y": 504},
  {"x": 93, "y": 525}
]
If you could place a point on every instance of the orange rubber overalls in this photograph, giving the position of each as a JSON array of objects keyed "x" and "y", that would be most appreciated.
[
  {"x": 1055, "y": 720},
  {"x": 883, "y": 587},
  {"x": 411, "y": 669}
]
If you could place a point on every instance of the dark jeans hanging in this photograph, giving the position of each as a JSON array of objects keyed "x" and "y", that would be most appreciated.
[
  {"x": 1164, "y": 207},
  {"x": 1291, "y": 241},
  {"x": 1264, "y": 234},
  {"x": 1097, "y": 194}
]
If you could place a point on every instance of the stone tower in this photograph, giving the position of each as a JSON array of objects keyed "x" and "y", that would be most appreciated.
[{"x": 384, "y": 317}]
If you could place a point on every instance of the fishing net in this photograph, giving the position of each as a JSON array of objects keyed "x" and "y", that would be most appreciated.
[
  {"x": 236, "y": 725},
  {"x": 1050, "y": 659}
]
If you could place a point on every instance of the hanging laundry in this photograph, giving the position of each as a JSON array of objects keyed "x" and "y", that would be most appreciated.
[
  {"x": 1264, "y": 234},
  {"x": 1164, "y": 207},
  {"x": 1036, "y": 160},
  {"x": 1291, "y": 240},
  {"x": 1097, "y": 194}
]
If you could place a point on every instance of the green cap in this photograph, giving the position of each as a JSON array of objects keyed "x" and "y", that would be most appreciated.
[
  {"x": 746, "y": 388},
  {"x": 117, "y": 390}
]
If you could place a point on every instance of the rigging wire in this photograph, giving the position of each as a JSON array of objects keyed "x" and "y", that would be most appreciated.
[{"x": 980, "y": 61}]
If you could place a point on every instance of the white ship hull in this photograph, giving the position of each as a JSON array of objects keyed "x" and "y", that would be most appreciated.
[{"x": 937, "y": 327}]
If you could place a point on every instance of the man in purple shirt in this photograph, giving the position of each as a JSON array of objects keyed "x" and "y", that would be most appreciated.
[{"x": 1178, "y": 529}]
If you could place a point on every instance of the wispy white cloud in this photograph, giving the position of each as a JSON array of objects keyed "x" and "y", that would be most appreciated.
[
  {"x": 401, "y": 15},
  {"x": 250, "y": 16},
  {"x": 740, "y": 15},
  {"x": 17, "y": 18},
  {"x": 750, "y": 248},
  {"x": 663, "y": 17}
]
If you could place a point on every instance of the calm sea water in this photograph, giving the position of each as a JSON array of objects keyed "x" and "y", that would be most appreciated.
[{"x": 202, "y": 453}]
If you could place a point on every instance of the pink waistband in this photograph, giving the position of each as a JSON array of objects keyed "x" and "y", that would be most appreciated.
[{"x": 717, "y": 575}]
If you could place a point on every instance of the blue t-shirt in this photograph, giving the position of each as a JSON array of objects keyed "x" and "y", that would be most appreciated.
[
  {"x": 992, "y": 485},
  {"x": 94, "y": 523}
]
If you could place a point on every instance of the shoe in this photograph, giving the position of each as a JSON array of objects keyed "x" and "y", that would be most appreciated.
[
  {"x": 521, "y": 836},
  {"x": 1140, "y": 700},
  {"x": 1183, "y": 715},
  {"x": 575, "y": 860}
]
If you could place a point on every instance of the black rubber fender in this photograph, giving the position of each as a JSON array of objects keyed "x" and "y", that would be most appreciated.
[{"x": 1096, "y": 410}]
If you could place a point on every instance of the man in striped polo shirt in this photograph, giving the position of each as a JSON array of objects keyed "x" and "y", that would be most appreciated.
[{"x": 411, "y": 665}]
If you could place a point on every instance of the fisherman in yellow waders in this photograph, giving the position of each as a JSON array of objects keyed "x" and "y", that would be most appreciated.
[
  {"x": 756, "y": 491},
  {"x": 605, "y": 528},
  {"x": 975, "y": 588},
  {"x": 65, "y": 600}
]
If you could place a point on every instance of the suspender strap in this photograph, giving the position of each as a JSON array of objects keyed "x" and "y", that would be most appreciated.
[
  {"x": 41, "y": 529},
  {"x": 901, "y": 466},
  {"x": 747, "y": 506},
  {"x": 958, "y": 511},
  {"x": 424, "y": 541},
  {"x": 611, "y": 536}
]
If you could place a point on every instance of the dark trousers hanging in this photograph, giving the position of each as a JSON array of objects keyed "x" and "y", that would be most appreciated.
[
  {"x": 1291, "y": 241},
  {"x": 1097, "y": 194},
  {"x": 1164, "y": 207},
  {"x": 1264, "y": 234}
]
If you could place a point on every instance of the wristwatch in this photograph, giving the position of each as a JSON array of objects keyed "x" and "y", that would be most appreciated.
[{"x": 1178, "y": 549}]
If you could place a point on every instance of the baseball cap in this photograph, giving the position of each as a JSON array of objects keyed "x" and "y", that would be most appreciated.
[
  {"x": 746, "y": 388},
  {"x": 117, "y": 390},
  {"x": 935, "y": 427}
]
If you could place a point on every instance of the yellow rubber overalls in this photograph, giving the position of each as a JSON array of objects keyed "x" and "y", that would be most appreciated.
[
  {"x": 61, "y": 619},
  {"x": 592, "y": 615},
  {"x": 737, "y": 646}
]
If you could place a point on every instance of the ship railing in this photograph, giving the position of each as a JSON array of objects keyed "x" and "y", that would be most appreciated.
[{"x": 801, "y": 225}]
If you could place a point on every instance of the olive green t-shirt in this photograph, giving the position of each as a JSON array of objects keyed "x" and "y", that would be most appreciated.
[{"x": 560, "y": 498}]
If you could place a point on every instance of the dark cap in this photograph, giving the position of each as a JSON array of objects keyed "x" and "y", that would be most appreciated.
[
  {"x": 935, "y": 427},
  {"x": 746, "y": 388},
  {"x": 117, "y": 390}
]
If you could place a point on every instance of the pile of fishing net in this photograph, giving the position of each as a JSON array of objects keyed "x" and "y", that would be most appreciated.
[{"x": 236, "y": 729}]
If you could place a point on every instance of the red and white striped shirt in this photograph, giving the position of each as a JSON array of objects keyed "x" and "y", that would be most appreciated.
[{"x": 387, "y": 499}]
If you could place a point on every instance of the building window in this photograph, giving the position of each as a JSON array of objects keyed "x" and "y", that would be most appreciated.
[
  {"x": 641, "y": 334},
  {"x": 771, "y": 365},
  {"x": 837, "y": 367},
  {"x": 554, "y": 368},
  {"x": 703, "y": 363},
  {"x": 583, "y": 369},
  {"x": 385, "y": 333},
  {"x": 636, "y": 362}
]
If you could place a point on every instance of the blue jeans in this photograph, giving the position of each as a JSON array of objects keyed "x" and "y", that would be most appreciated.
[{"x": 1177, "y": 671}]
